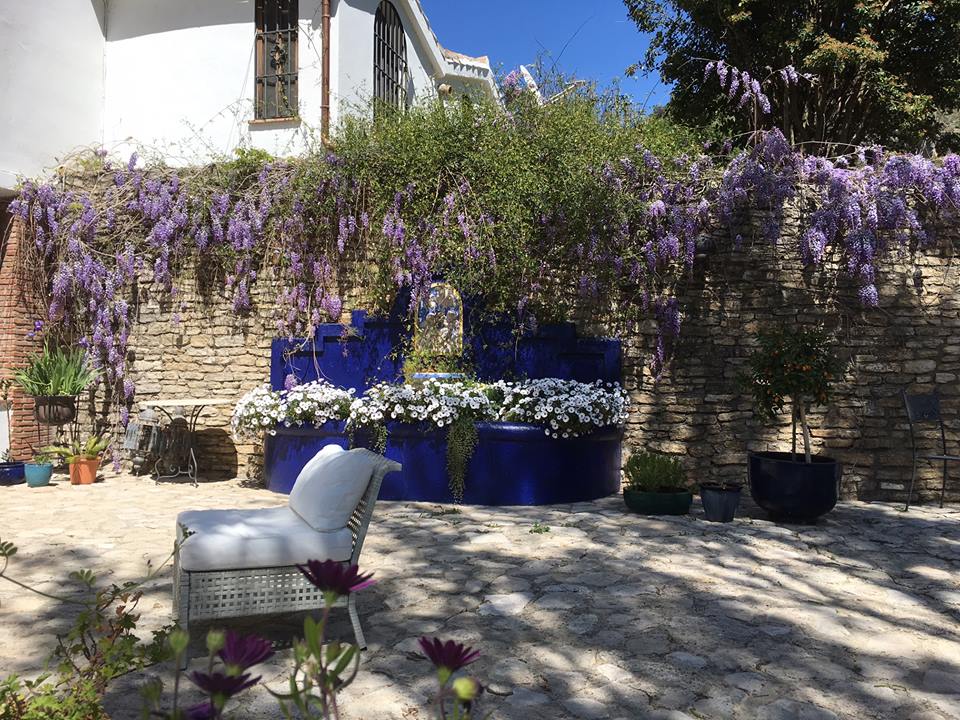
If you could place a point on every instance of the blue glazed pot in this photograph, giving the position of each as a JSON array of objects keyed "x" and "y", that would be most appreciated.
[
  {"x": 791, "y": 489},
  {"x": 11, "y": 473},
  {"x": 38, "y": 475},
  {"x": 513, "y": 464}
]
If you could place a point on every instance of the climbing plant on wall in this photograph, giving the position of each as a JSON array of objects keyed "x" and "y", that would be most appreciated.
[{"x": 533, "y": 208}]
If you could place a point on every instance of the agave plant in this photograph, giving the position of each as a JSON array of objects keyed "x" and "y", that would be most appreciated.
[
  {"x": 56, "y": 371},
  {"x": 90, "y": 449}
]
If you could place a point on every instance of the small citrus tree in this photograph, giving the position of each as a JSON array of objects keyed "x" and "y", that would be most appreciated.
[{"x": 795, "y": 365}]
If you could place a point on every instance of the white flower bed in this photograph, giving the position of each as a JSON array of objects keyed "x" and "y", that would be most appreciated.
[{"x": 564, "y": 408}]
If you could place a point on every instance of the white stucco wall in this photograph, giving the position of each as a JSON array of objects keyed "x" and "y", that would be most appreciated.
[
  {"x": 51, "y": 83},
  {"x": 352, "y": 57},
  {"x": 180, "y": 78}
]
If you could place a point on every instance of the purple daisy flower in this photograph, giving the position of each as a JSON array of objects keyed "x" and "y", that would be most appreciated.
[
  {"x": 332, "y": 577},
  {"x": 201, "y": 711},
  {"x": 218, "y": 683},
  {"x": 241, "y": 652},
  {"x": 447, "y": 656}
]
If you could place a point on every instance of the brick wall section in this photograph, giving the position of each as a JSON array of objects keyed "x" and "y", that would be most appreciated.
[
  {"x": 696, "y": 410},
  {"x": 17, "y": 316}
]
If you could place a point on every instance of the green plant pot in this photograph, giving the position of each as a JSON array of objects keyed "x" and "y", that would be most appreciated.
[
  {"x": 658, "y": 503},
  {"x": 38, "y": 475}
]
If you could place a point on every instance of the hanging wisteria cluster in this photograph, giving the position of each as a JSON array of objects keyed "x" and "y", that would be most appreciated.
[{"x": 314, "y": 227}]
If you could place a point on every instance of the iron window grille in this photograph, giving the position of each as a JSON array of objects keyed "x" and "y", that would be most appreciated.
[
  {"x": 276, "y": 59},
  {"x": 389, "y": 58}
]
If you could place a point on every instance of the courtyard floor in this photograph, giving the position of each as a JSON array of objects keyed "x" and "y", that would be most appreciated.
[{"x": 580, "y": 611}]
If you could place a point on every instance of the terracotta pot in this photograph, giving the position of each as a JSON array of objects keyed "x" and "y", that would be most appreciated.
[{"x": 83, "y": 472}]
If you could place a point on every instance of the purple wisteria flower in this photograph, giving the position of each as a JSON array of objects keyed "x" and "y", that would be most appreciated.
[
  {"x": 241, "y": 652},
  {"x": 335, "y": 578}
]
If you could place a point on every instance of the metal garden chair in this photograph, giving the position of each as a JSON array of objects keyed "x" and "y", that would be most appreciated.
[{"x": 925, "y": 408}]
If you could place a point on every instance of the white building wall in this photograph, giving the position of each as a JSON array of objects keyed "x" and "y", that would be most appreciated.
[
  {"x": 51, "y": 83},
  {"x": 180, "y": 79},
  {"x": 352, "y": 58}
]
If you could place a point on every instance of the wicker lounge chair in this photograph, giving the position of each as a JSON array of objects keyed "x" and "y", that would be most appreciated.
[{"x": 237, "y": 563}]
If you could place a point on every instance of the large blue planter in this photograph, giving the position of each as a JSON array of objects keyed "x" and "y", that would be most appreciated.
[{"x": 513, "y": 464}]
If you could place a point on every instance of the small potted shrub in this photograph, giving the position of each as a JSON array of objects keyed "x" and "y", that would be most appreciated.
[
  {"x": 83, "y": 457},
  {"x": 54, "y": 377},
  {"x": 39, "y": 470},
  {"x": 655, "y": 485},
  {"x": 720, "y": 500},
  {"x": 794, "y": 365}
]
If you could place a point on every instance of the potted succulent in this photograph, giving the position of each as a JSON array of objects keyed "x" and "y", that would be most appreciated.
[
  {"x": 83, "y": 457},
  {"x": 720, "y": 500},
  {"x": 40, "y": 469},
  {"x": 54, "y": 377},
  {"x": 655, "y": 485},
  {"x": 795, "y": 365},
  {"x": 11, "y": 472}
]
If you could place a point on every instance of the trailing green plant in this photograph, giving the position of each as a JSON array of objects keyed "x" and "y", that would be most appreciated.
[
  {"x": 796, "y": 365},
  {"x": 461, "y": 444},
  {"x": 56, "y": 371},
  {"x": 653, "y": 472},
  {"x": 92, "y": 448}
]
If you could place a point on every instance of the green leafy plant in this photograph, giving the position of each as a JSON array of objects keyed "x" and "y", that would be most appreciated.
[
  {"x": 100, "y": 646},
  {"x": 652, "y": 472},
  {"x": 56, "y": 371},
  {"x": 539, "y": 528},
  {"x": 795, "y": 365},
  {"x": 90, "y": 449},
  {"x": 43, "y": 457}
]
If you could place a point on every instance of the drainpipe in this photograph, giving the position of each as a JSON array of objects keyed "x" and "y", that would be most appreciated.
[{"x": 325, "y": 70}]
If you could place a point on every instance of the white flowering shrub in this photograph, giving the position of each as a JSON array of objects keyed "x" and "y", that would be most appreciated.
[
  {"x": 436, "y": 402},
  {"x": 565, "y": 408},
  {"x": 259, "y": 411},
  {"x": 315, "y": 403}
]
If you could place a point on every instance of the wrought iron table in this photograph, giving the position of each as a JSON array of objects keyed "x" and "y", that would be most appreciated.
[{"x": 178, "y": 451}]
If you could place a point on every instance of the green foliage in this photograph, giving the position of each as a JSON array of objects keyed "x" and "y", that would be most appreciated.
[
  {"x": 56, "y": 371},
  {"x": 461, "y": 444},
  {"x": 652, "y": 472},
  {"x": 100, "y": 646},
  {"x": 90, "y": 449},
  {"x": 887, "y": 71},
  {"x": 416, "y": 361},
  {"x": 791, "y": 363},
  {"x": 513, "y": 168},
  {"x": 539, "y": 528}
]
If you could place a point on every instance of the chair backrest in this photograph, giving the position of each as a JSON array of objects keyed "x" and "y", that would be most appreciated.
[
  {"x": 360, "y": 518},
  {"x": 924, "y": 408}
]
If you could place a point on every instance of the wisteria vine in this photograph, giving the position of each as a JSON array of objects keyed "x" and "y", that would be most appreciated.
[{"x": 311, "y": 225}]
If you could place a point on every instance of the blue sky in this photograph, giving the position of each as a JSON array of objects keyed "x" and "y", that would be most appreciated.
[{"x": 593, "y": 39}]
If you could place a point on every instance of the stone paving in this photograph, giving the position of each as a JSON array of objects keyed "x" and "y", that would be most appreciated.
[{"x": 581, "y": 611}]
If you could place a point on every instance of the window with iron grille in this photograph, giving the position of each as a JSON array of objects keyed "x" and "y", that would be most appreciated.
[
  {"x": 276, "y": 58},
  {"x": 389, "y": 58}
]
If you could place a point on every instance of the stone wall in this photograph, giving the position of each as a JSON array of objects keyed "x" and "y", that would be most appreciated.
[
  {"x": 911, "y": 342},
  {"x": 696, "y": 408}
]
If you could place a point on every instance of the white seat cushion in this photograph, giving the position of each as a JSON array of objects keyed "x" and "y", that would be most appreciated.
[
  {"x": 243, "y": 539},
  {"x": 330, "y": 485}
]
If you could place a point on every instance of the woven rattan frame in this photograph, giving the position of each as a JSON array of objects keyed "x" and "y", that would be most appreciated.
[{"x": 217, "y": 594}]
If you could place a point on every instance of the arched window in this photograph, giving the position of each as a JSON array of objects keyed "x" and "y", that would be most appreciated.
[{"x": 389, "y": 58}]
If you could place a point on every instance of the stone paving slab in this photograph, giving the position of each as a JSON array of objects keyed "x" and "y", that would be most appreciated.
[{"x": 606, "y": 615}]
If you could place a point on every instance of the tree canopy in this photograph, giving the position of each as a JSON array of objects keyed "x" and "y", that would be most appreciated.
[{"x": 884, "y": 71}]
